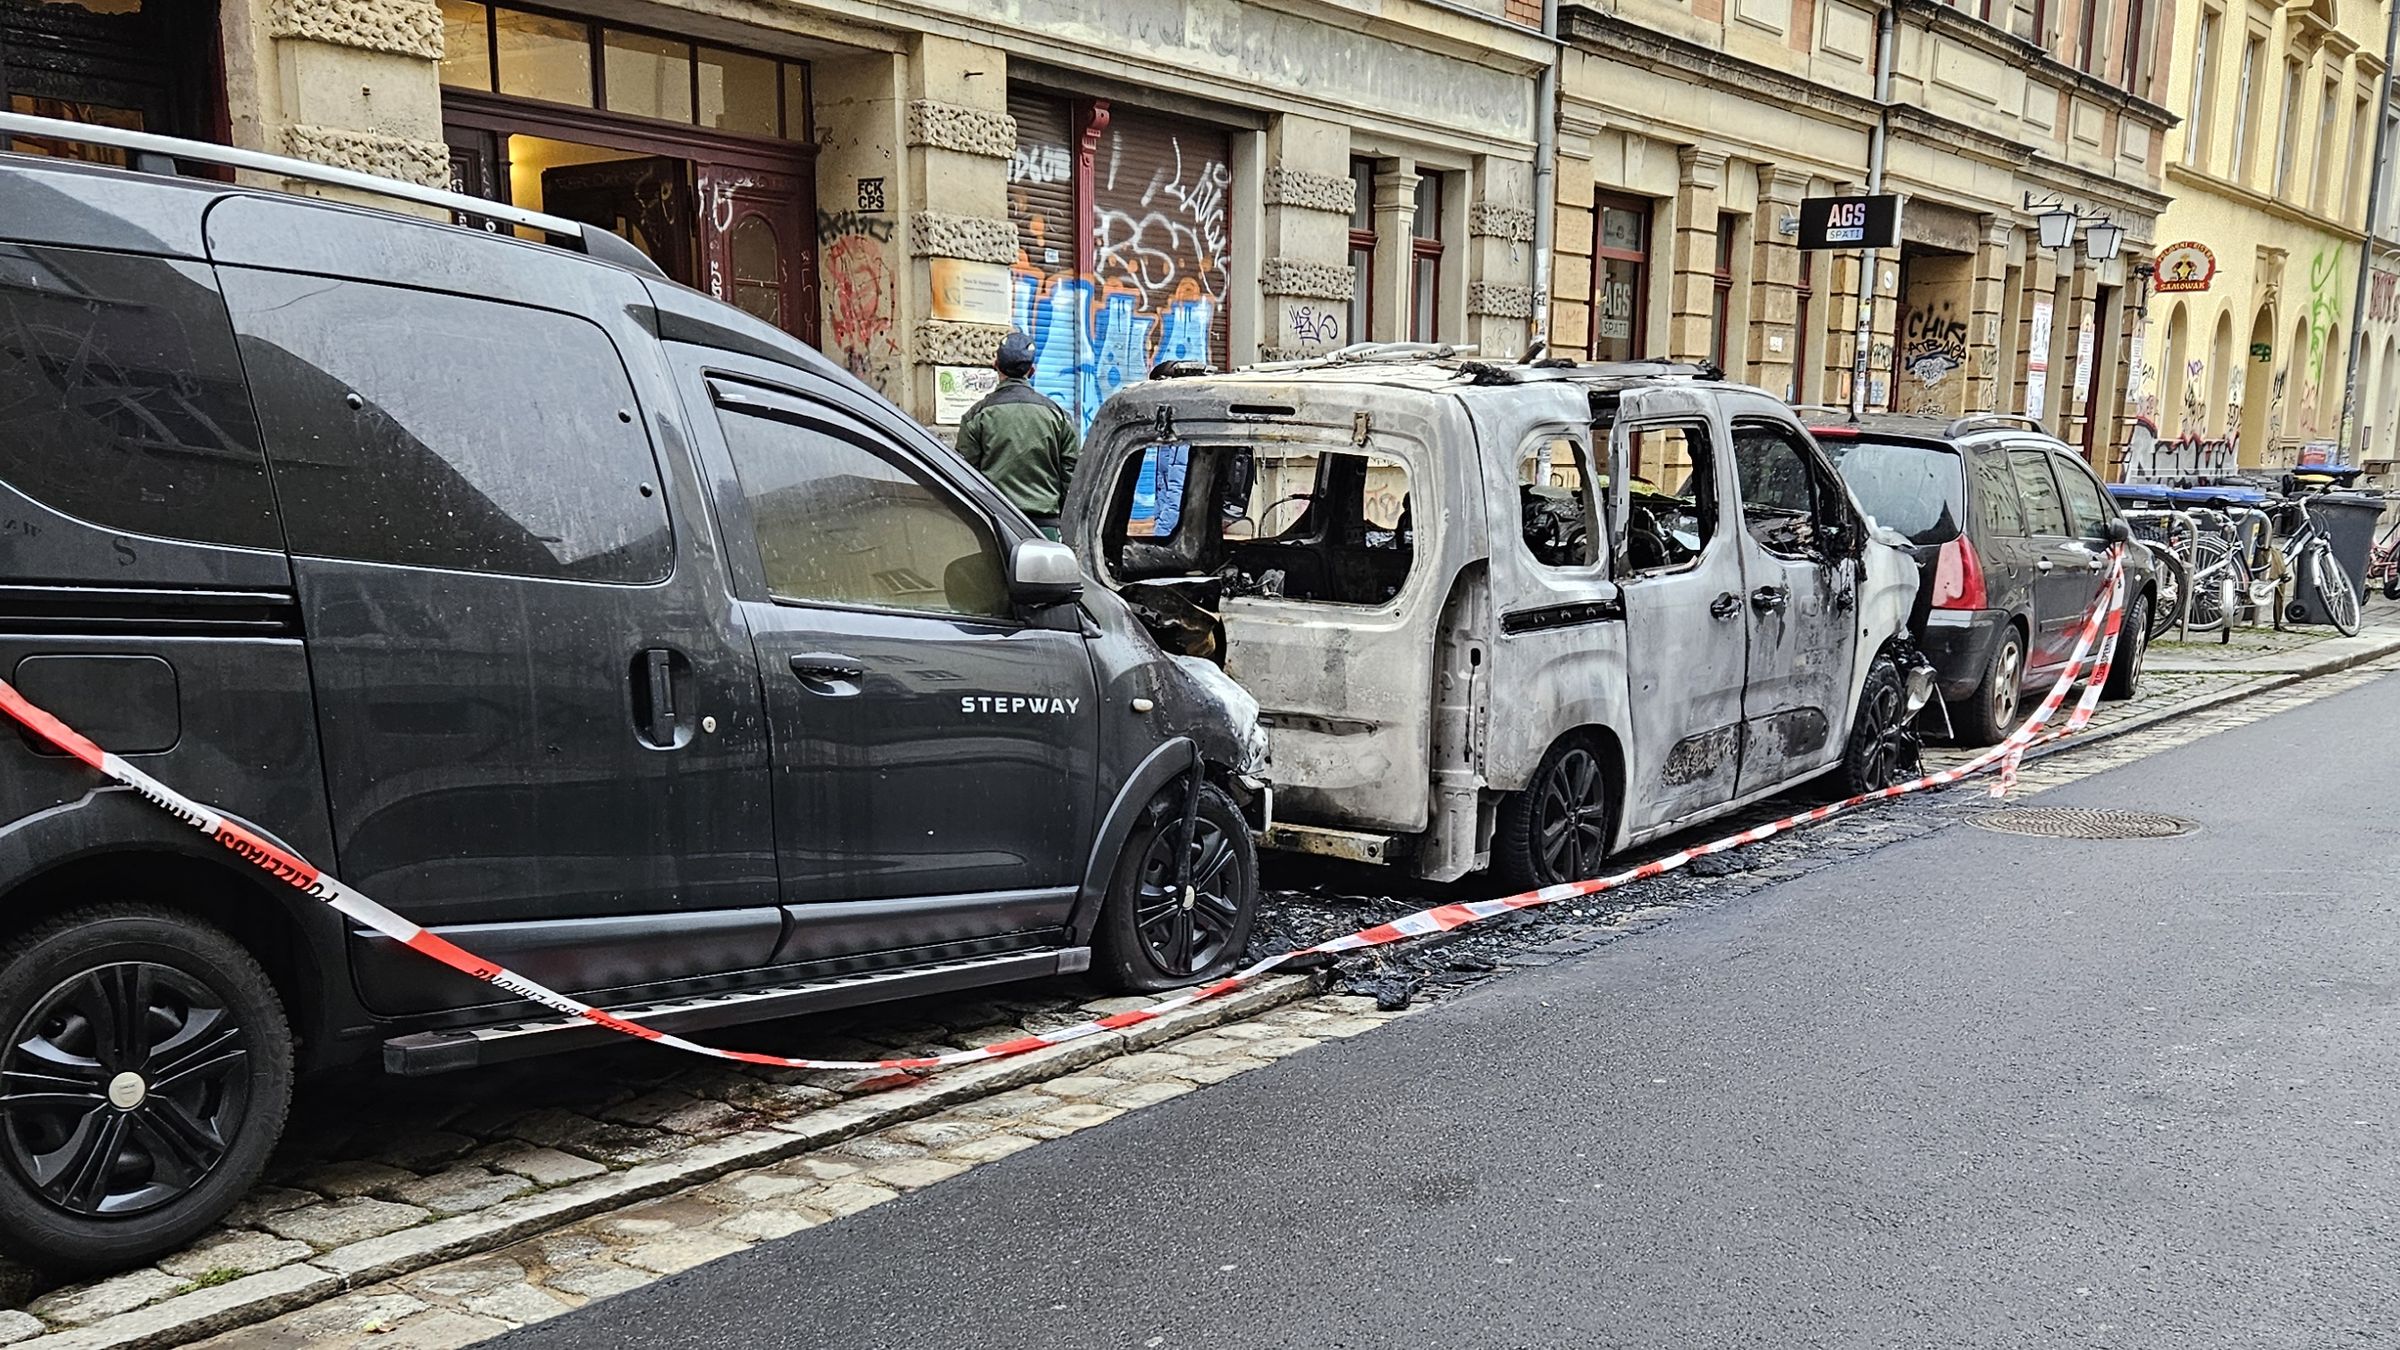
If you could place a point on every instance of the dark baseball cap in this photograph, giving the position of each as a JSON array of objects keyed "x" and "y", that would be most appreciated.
[{"x": 1016, "y": 353}]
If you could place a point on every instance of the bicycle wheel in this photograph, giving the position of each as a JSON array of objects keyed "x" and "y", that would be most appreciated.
[
  {"x": 2174, "y": 586},
  {"x": 2217, "y": 577},
  {"x": 2333, "y": 586}
]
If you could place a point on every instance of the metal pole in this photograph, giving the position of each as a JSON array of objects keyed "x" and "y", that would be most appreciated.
[
  {"x": 1545, "y": 177},
  {"x": 1868, "y": 260},
  {"x": 2376, "y": 189}
]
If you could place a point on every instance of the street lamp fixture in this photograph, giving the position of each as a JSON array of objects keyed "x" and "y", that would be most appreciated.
[
  {"x": 2102, "y": 238},
  {"x": 2056, "y": 222}
]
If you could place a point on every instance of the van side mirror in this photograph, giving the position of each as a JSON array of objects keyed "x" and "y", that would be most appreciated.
[{"x": 1043, "y": 573}]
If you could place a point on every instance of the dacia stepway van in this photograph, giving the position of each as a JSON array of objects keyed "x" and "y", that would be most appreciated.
[{"x": 609, "y": 632}]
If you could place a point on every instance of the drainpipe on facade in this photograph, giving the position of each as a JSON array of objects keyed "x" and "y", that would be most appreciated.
[
  {"x": 2378, "y": 186},
  {"x": 1545, "y": 179},
  {"x": 1870, "y": 261}
]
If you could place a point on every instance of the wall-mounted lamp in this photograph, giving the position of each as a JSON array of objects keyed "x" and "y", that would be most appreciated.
[
  {"x": 2056, "y": 222},
  {"x": 2102, "y": 238}
]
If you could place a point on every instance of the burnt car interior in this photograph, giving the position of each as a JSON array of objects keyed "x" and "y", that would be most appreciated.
[{"x": 1193, "y": 525}]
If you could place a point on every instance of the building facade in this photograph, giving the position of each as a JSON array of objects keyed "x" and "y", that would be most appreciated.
[
  {"x": 1130, "y": 181},
  {"x": 2261, "y": 249},
  {"x": 1692, "y": 130}
]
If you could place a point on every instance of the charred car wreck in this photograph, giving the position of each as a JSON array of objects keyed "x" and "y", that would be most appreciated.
[{"x": 1508, "y": 616}]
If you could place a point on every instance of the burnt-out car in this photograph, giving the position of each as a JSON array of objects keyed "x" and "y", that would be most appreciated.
[{"x": 1517, "y": 616}]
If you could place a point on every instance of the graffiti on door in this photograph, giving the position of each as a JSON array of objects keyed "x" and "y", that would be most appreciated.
[
  {"x": 1933, "y": 350},
  {"x": 1156, "y": 240}
]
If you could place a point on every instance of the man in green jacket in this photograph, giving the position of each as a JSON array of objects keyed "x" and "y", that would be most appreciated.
[{"x": 1023, "y": 442}]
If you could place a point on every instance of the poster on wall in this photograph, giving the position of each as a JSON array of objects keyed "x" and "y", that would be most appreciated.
[
  {"x": 971, "y": 292},
  {"x": 957, "y": 389},
  {"x": 2037, "y": 361},
  {"x": 2083, "y": 361}
]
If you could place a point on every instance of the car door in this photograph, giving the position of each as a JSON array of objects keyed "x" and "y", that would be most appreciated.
[
  {"x": 2088, "y": 515},
  {"x": 1802, "y": 608},
  {"x": 935, "y": 751},
  {"x": 2058, "y": 561},
  {"x": 1679, "y": 566},
  {"x": 513, "y": 636}
]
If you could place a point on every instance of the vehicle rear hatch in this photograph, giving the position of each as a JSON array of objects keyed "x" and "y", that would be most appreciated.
[{"x": 1914, "y": 486}]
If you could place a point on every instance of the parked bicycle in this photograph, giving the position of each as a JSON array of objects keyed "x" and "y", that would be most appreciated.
[
  {"x": 2250, "y": 564},
  {"x": 2383, "y": 564}
]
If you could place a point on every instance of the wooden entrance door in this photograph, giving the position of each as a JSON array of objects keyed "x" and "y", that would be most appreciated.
[{"x": 756, "y": 251}]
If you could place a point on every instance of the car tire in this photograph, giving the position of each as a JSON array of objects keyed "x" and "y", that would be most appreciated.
[
  {"x": 1151, "y": 939},
  {"x": 1558, "y": 829},
  {"x": 1882, "y": 750},
  {"x": 191, "y": 1089},
  {"x": 1990, "y": 713},
  {"x": 2133, "y": 644}
]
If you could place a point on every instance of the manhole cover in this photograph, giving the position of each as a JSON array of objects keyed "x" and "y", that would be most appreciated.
[{"x": 2077, "y": 822}]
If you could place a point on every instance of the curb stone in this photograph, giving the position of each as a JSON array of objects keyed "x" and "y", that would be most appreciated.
[
  {"x": 2333, "y": 665},
  {"x": 256, "y": 1298}
]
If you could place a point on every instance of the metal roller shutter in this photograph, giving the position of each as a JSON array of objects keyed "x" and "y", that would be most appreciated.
[
  {"x": 1048, "y": 303},
  {"x": 1160, "y": 189}
]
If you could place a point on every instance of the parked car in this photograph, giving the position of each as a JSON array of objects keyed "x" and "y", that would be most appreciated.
[
  {"x": 609, "y": 632},
  {"x": 1480, "y": 631},
  {"x": 2011, "y": 530}
]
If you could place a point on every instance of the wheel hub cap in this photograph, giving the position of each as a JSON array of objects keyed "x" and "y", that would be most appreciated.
[{"x": 126, "y": 1090}]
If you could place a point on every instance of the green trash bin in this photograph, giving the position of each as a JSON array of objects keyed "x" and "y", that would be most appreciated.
[{"x": 2348, "y": 519}]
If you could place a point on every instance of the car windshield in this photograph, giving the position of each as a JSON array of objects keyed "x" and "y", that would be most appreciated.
[{"x": 1914, "y": 488}]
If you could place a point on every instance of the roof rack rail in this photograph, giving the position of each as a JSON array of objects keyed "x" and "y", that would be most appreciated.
[
  {"x": 1991, "y": 419},
  {"x": 157, "y": 154},
  {"x": 1358, "y": 353}
]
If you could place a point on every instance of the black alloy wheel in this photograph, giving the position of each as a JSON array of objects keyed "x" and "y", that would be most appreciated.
[
  {"x": 1882, "y": 748},
  {"x": 1156, "y": 934},
  {"x": 1557, "y": 829},
  {"x": 145, "y": 1072}
]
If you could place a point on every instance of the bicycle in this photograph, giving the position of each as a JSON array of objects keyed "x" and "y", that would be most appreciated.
[
  {"x": 2168, "y": 535},
  {"x": 2248, "y": 566},
  {"x": 2383, "y": 564}
]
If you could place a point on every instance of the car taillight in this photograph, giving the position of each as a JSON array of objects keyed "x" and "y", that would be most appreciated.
[{"x": 1958, "y": 576}]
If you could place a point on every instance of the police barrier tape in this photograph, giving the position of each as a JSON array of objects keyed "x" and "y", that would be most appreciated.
[{"x": 2099, "y": 628}]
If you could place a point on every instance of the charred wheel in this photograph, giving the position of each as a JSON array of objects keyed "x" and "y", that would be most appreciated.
[
  {"x": 143, "y": 1082},
  {"x": 1882, "y": 749},
  {"x": 1558, "y": 828},
  {"x": 1180, "y": 912}
]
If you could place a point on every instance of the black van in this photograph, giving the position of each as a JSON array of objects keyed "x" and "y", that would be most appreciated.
[{"x": 605, "y": 630}]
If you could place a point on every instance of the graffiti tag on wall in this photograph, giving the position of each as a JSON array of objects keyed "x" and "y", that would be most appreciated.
[
  {"x": 2153, "y": 459},
  {"x": 1933, "y": 348}
]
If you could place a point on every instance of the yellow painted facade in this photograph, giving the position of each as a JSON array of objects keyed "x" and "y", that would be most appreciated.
[{"x": 2269, "y": 172}]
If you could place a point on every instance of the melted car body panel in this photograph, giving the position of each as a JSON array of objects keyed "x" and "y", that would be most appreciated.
[{"x": 1428, "y": 576}]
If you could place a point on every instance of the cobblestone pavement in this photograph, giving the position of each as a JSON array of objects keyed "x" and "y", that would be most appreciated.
[{"x": 440, "y": 1211}]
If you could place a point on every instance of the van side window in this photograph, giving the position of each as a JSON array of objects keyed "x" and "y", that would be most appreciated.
[
  {"x": 440, "y": 431},
  {"x": 1779, "y": 491},
  {"x": 2045, "y": 514},
  {"x": 121, "y": 398},
  {"x": 1665, "y": 531},
  {"x": 840, "y": 522},
  {"x": 1554, "y": 502}
]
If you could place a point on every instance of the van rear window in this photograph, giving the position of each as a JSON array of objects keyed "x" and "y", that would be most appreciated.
[
  {"x": 1918, "y": 490},
  {"x": 121, "y": 399}
]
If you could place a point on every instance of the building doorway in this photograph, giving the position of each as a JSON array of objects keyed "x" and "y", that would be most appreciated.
[
  {"x": 134, "y": 65},
  {"x": 696, "y": 155}
]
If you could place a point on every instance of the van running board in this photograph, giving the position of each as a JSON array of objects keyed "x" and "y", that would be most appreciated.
[{"x": 430, "y": 1052}]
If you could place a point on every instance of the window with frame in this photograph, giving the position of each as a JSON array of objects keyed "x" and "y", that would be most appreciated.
[
  {"x": 1720, "y": 323},
  {"x": 1668, "y": 531},
  {"x": 841, "y": 521},
  {"x": 443, "y": 431},
  {"x": 1362, "y": 250},
  {"x": 2087, "y": 43},
  {"x": 2354, "y": 173},
  {"x": 2045, "y": 514},
  {"x": 2200, "y": 117},
  {"x": 2245, "y": 109},
  {"x": 1620, "y": 278},
  {"x": 1778, "y": 487},
  {"x": 1556, "y": 514},
  {"x": 1425, "y": 259},
  {"x": 2329, "y": 107},
  {"x": 2287, "y": 150},
  {"x": 559, "y": 59}
]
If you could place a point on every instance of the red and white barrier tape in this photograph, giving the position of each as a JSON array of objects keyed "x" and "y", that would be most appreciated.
[{"x": 298, "y": 873}]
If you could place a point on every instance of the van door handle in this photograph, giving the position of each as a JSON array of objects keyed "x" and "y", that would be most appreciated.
[
  {"x": 1725, "y": 606},
  {"x": 655, "y": 676},
  {"x": 2041, "y": 565},
  {"x": 1770, "y": 599},
  {"x": 829, "y": 673}
]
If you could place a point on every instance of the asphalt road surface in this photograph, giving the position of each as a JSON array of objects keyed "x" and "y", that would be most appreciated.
[{"x": 1973, "y": 1090}]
